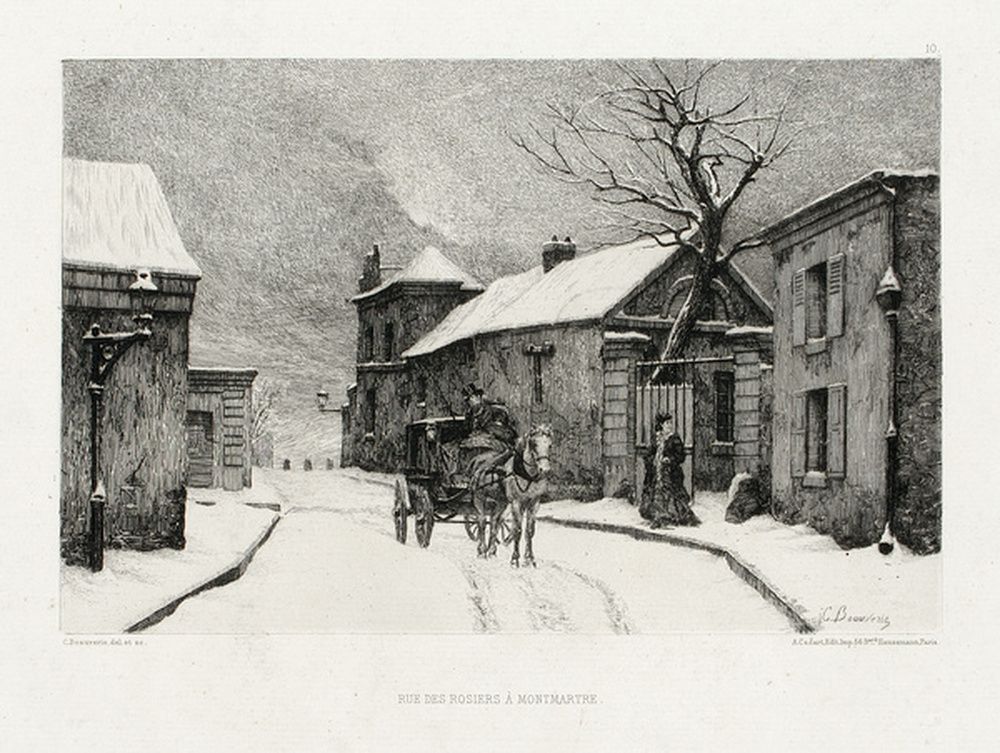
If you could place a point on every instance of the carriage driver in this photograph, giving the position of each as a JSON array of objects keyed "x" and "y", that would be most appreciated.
[{"x": 492, "y": 431}]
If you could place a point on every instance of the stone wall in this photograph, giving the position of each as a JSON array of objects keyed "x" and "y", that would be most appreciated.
[
  {"x": 227, "y": 395},
  {"x": 572, "y": 383},
  {"x": 620, "y": 354},
  {"x": 142, "y": 460},
  {"x": 412, "y": 310},
  {"x": 849, "y": 508},
  {"x": 917, "y": 520}
]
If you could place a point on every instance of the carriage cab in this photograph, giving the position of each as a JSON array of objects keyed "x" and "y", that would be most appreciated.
[{"x": 432, "y": 447}]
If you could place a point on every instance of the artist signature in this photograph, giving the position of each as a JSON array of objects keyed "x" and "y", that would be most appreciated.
[{"x": 842, "y": 614}]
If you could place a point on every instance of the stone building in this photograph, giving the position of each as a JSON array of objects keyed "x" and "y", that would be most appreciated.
[
  {"x": 218, "y": 424},
  {"x": 392, "y": 315},
  {"x": 119, "y": 239},
  {"x": 561, "y": 344},
  {"x": 856, "y": 433}
]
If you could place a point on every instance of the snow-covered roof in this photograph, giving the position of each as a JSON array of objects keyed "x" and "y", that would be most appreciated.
[
  {"x": 625, "y": 336},
  {"x": 115, "y": 216},
  {"x": 582, "y": 289},
  {"x": 782, "y": 227},
  {"x": 430, "y": 265},
  {"x": 749, "y": 330}
]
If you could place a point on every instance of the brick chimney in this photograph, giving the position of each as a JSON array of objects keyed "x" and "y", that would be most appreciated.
[
  {"x": 371, "y": 271},
  {"x": 556, "y": 251}
]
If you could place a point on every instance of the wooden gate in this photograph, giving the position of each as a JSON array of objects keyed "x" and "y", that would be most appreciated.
[
  {"x": 669, "y": 386},
  {"x": 653, "y": 397},
  {"x": 200, "y": 448}
]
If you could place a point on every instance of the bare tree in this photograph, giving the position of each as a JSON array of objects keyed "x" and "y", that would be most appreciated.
[
  {"x": 668, "y": 166},
  {"x": 265, "y": 395}
]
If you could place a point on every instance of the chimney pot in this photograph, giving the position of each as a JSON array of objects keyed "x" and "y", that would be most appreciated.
[
  {"x": 555, "y": 251},
  {"x": 371, "y": 270}
]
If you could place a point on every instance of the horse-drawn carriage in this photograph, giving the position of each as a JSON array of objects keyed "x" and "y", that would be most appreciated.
[{"x": 438, "y": 486}]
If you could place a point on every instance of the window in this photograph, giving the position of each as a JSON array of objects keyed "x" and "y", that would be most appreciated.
[
  {"x": 536, "y": 372},
  {"x": 725, "y": 389},
  {"x": 816, "y": 430},
  {"x": 369, "y": 411},
  {"x": 368, "y": 345},
  {"x": 422, "y": 389},
  {"x": 816, "y": 302},
  {"x": 388, "y": 343},
  {"x": 819, "y": 435}
]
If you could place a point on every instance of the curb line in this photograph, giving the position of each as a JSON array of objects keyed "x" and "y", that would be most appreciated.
[
  {"x": 742, "y": 570},
  {"x": 226, "y": 576}
]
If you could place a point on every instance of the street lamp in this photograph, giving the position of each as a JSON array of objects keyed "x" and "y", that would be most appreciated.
[
  {"x": 322, "y": 400},
  {"x": 105, "y": 350},
  {"x": 889, "y": 296}
]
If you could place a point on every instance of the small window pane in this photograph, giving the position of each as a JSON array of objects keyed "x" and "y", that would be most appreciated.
[
  {"x": 816, "y": 301},
  {"x": 816, "y": 428},
  {"x": 724, "y": 406}
]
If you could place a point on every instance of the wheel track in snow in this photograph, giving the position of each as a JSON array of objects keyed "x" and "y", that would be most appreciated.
[
  {"x": 544, "y": 613},
  {"x": 480, "y": 598},
  {"x": 540, "y": 597},
  {"x": 614, "y": 607}
]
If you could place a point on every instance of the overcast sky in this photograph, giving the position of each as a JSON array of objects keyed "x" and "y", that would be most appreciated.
[
  {"x": 281, "y": 173},
  {"x": 439, "y": 129}
]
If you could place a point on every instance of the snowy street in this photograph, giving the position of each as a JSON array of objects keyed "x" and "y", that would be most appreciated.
[{"x": 333, "y": 565}]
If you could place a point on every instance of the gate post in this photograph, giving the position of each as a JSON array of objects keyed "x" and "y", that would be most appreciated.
[
  {"x": 752, "y": 348},
  {"x": 620, "y": 353}
]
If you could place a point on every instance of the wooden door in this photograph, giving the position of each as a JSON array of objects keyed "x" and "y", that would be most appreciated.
[{"x": 199, "y": 448}]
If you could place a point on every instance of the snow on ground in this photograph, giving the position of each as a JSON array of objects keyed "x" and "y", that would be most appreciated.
[
  {"x": 320, "y": 572},
  {"x": 333, "y": 565},
  {"x": 134, "y": 584},
  {"x": 596, "y": 582},
  {"x": 857, "y": 590}
]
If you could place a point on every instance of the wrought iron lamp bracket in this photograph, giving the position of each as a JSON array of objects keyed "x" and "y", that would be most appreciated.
[{"x": 107, "y": 347}]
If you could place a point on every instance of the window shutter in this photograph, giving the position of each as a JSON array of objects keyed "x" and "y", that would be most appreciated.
[
  {"x": 835, "y": 269},
  {"x": 836, "y": 430},
  {"x": 798, "y": 445},
  {"x": 799, "y": 308}
]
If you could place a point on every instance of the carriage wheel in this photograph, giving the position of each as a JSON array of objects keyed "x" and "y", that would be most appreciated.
[
  {"x": 506, "y": 528},
  {"x": 423, "y": 509},
  {"x": 471, "y": 526},
  {"x": 400, "y": 510}
]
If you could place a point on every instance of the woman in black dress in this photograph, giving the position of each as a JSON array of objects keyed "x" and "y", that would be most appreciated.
[{"x": 665, "y": 501}]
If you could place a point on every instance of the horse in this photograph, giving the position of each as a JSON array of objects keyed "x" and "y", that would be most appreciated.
[{"x": 518, "y": 482}]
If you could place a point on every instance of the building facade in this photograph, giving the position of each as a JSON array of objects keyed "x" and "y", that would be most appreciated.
[
  {"x": 541, "y": 342},
  {"x": 855, "y": 439},
  {"x": 116, "y": 226},
  {"x": 392, "y": 315},
  {"x": 218, "y": 424}
]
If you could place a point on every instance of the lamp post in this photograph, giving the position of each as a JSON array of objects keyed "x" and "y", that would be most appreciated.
[
  {"x": 105, "y": 350},
  {"x": 889, "y": 295}
]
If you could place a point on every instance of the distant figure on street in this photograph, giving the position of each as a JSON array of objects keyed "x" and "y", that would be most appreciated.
[
  {"x": 665, "y": 501},
  {"x": 492, "y": 431}
]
